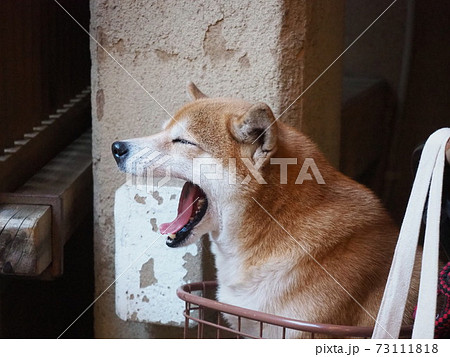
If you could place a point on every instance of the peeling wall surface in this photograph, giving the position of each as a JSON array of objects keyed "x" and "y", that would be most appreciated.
[
  {"x": 147, "y": 271},
  {"x": 261, "y": 51}
]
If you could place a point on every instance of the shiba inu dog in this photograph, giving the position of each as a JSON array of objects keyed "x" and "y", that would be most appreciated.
[{"x": 291, "y": 235}]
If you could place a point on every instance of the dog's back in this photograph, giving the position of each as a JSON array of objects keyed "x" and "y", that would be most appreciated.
[{"x": 318, "y": 252}]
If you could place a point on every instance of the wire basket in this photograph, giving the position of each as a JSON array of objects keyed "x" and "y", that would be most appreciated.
[{"x": 204, "y": 319}]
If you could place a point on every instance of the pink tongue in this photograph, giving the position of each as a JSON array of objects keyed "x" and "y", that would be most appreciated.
[{"x": 185, "y": 208}]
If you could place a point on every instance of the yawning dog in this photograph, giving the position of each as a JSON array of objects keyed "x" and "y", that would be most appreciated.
[{"x": 291, "y": 235}]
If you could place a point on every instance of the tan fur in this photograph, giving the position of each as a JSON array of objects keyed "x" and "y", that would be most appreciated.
[{"x": 339, "y": 242}]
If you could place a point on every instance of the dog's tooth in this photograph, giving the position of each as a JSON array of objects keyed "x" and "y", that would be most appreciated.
[
  {"x": 191, "y": 219},
  {"x": 172, "y": 235}
]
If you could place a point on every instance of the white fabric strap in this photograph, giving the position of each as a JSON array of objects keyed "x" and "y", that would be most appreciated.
[
  {"x": 392, "y": 307},
  {"x": 426, "y": 306}
]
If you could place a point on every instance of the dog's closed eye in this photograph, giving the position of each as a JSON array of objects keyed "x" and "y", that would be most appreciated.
[{"x": 183, "y": 141}]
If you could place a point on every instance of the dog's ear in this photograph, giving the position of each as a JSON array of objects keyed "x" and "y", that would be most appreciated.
[
  {"x": 257, "y": 126},
  {"x": 194, "y": 92}
]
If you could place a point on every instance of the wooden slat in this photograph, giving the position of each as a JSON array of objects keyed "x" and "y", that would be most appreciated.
[
  {"x": 67, "y": 179},
  {"x": 21, "y": 80},
  {"x": 25, "y": 239},
  {"x": 22, "y": 161},
  {"x": 65, "y": 184},
  {"x": 60, "y": 173}
]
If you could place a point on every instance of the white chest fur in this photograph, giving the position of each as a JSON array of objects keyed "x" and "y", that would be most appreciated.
[{"x": 257, "y": 288}]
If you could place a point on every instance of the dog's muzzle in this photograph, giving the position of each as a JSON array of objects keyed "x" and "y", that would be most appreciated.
[{"x": 120, "y": 151}]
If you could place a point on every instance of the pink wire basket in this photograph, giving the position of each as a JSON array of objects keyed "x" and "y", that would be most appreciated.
[{"x": 204, "y": 319}]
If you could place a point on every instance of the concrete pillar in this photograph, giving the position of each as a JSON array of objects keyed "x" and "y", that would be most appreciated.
[{"x": 262, "y": 51}]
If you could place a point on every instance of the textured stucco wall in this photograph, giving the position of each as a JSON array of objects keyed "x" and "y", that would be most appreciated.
[{"x": 261, "y": 51}]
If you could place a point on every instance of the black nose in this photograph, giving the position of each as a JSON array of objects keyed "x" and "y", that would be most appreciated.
[{"x": 119, "y": 150}]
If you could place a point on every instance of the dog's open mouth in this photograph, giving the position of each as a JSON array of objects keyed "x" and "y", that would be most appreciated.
[{"x": 191, "y": 209}]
